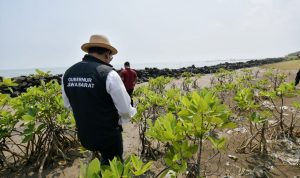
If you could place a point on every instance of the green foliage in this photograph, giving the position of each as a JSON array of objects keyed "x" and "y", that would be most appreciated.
[
  {"x": 41, "y": 73},
  {"x": 224, "y": 78},
  {"x": 174, "y": 121},
  {"x": 200, "y": 113},
  {"x": 218, "y": 143},
  {"x": 8, "y": 82},
  {"x": 296, "y": 105},
  {"x": 222, "y": 83},
  {"x": 114, "y": 170},
  {"x": 137, "y": 166},
  {"x": 187, "y": 80},
  {"x": 166, "y": 128},
  {"x": 182, "y": 120},
  {"x": 7, "y": 120},
  {"x": 158, "y": 84},
  {"x": 44, "y": 104},
  {"x": 257, "y": 118},
  {"x": 153, "y": 101},
  {"x": 131, "y": 167},
  {"x": 245, "y": 100},
  {"x": 173, "y": 98},
  {"x": 91, "y": 170},
  {"x": 147, "y": 100},
  {"x": 39, "y": 118},
  {"x": 286, "y": 89},
  {"x": 275, "y": 77},
  {"x": 204, "y": 111}
]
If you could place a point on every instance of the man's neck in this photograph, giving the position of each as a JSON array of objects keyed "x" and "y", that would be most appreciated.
[
  {"x": 89, "y": 57},
  {"x": 99, "y": 57}
]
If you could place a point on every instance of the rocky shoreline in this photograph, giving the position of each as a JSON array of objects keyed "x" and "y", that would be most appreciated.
[{"x": 25, "y": 82}]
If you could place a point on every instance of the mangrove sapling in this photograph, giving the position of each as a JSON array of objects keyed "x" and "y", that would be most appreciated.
[
  {"x": 275, "y": 77},
  {"x": 39, "y": 73},
  {"x": 260, "y": 119},
  {"x": 173, "y": 96},
  {"x": 158, "y": 84},
  {"x": 256, "y": 74},
  {"x": 223, "y": 83},
  {"x": 7, "y": 123},
  {"x": 249, "y": 108},
  {"x": 212, "y": 81},
  {"x": 131, "y": 167},
  {"x": 245, "y": 79},
  {"x": 200, "y": 114},
  {"x": 8, "y": 83},
  {"x": 151, "y": 103},
  {"x": 8, "y": 156},
  {"x": 46, "y": 124},
  {"x": 295, "y": 113},
  {"x": 248, "y": 74},
  {"x": 142, "y": 112},
  {"x": 250, "y": 102},
  {"x": 196, "y": 78},
  {"x": 224, "y": 76},
  {"x": 283, "y": 90},
  {"x": 187, "y": 80},
  {"x": 245, "y": 103}
]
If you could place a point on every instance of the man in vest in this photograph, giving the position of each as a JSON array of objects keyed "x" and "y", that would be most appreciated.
[
  {"x": 99, "y": 101},
  {"x": 297, "y": 79},
  {"x": 129, "y": 78}
]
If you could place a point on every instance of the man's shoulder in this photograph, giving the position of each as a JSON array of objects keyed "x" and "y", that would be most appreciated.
[
  {"x": 122, "y": 72},
  {"x": 72, "y": 68},
  {"x": 104, "y": 67},
  {"x": 133, "y": 71},
  {"x": 103, "y": 70}
]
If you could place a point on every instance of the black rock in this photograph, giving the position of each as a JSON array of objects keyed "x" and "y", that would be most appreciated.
[
  {"x": 20, "y": 79},
  {"x": 144, "y": 74},
  {"x": 15, "y": 93},
  {"x": 23, "y": 84}
]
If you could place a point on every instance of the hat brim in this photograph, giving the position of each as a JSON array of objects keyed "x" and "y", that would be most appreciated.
[{"x": 86, "y": 46}]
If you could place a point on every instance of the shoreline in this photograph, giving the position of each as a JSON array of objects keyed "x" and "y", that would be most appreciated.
[{"x": 25, "y": 82}]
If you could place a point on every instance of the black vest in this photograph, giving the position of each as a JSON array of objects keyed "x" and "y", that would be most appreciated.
[{"x": 93, "y": 108}]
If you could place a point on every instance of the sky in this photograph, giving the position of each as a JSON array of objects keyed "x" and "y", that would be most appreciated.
[{"x": 49, "y": 33}]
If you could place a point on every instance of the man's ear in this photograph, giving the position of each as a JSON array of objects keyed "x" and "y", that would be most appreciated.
[{"x": 106, "y": 55}]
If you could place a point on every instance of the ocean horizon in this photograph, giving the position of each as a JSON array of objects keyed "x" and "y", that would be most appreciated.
[{"x": 161, "y": 65}]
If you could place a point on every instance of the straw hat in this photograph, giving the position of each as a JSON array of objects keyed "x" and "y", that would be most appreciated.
[{"x": 99, "y": 41}]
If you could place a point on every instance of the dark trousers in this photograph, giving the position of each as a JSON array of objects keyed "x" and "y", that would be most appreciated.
[
  {"x": 112, "y": 149},
  {"x": 130, "y": 91}
]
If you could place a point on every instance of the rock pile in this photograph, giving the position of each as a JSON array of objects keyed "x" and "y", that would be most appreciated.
[
  {"x": 146, "y": 73},
  {"x": 25, "y": 82}
]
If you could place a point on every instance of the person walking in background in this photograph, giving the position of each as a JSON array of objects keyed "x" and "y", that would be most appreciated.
[
  {"x": 129, "y": 78},
  {"x": 99, "y": 101},
  {"x": 297, "y": 79}
]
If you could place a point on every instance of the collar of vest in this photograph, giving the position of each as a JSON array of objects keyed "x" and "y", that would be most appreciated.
[{"x": 93, "y": 59}]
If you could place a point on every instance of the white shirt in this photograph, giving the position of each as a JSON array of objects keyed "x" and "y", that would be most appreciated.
[{"x": 118, "y": 93}]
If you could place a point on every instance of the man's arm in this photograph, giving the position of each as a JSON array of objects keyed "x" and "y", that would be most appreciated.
[
  {"x": 122, "y": 75},
  {"x": 119, "y": 95},
  {"x": 64, "y": 96},
  {"x": 135, "y": 77}
]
